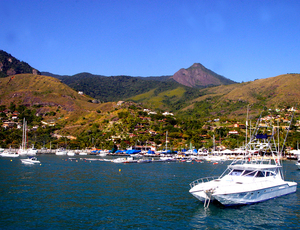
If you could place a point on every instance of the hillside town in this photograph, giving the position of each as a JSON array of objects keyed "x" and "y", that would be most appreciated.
[{"x": 142, "y": 128}]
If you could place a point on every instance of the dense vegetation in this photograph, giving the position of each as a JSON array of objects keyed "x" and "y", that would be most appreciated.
[
  {"x": 115, "y": 88},
  {"x": 10, "y": 65}
]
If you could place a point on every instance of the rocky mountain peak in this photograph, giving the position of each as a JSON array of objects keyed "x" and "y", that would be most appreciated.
[{"x": 199, "y": 76}]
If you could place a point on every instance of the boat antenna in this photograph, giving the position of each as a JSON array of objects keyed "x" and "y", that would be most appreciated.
[{"x": 287, "y": 131}]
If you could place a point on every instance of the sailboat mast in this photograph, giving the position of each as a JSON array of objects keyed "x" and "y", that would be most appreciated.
[
  {"x": 247, "y": 129},
  {"x": 24, "y": 135},
  {"x": 166, "y": 140}
]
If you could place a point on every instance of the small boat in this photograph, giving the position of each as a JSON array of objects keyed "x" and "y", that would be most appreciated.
[
  {"x": 32, "y": 151},
  {"x": 298, "y": 161},
  {"x": 297, "y": 153},
  {"x": 167, "y": 158},
  {"x": 144, "y": 161},
  {"x": 124, "y": 160},
  {"x": 103, "y": 153},
  {"x": 82, "y": 153},
  {"x": 60, "y": 152},
  {"x": 30, "y": 161},
  {"x": 9, "y": 153},
  {"x": 119, "y": 160},
  {"x": 250, "y": 179},
  {"x": 298, "y": 164},
  {"x": 130, "y": 160},
  {"x": 70, "y": 153}
]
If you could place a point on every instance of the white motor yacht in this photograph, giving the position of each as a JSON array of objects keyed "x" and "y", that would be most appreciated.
[
  {"x": 8, "y": 153},
  {"x": 248, "y": 180},
  {"x": 31, "y": 161},
  {"x": 243, "y": 183}
]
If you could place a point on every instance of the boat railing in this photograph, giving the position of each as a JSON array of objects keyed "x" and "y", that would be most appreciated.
[{"x": 202, "y": 180}]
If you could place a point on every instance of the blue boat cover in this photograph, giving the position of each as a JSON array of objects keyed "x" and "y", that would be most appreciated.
[
  {"x": 262, "y": 136},
  {"x": 133, "y": 151}
]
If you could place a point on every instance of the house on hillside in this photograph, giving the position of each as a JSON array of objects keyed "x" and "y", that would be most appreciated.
[
  {"x": 8, "y": 124},
  {"x": 234, "y": 132},
  {"x": 120, "y": 103},
  {"x": 168, "y": 114}
]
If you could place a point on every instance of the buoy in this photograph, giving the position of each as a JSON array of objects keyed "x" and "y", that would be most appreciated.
[
  {"x": 119, "y": 170},
  {"x": 11, "y": 160}
]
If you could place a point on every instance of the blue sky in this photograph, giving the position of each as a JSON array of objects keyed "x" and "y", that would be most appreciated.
[{"x": 241, "y": 40}]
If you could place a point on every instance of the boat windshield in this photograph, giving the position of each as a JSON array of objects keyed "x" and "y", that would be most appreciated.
[
  {"x": 236, "y": 172},
  {"x": 260, "y": 174},
  {"x": 249, "y": 173},
  {"x": 269, "y": 173}
]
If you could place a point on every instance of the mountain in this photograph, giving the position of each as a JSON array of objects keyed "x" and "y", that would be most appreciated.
[
  {"x": 115, "y": 88},
  {"x": 11, "y": 66},
  {"x": 199, "y": 76},
  {"x": 194, "y": 92}
]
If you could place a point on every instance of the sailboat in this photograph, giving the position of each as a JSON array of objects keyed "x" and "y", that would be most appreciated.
[
  {"x": 166, "y": 156},
  {"x": 250, "y": 179},
  {"x": 22, "y": 150}
]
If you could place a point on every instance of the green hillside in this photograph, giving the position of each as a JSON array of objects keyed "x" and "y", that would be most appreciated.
[
  {"x": 231, "y": 100},
  {"x": 53, "y": 100},
  {"x": 115, "y": 88}
]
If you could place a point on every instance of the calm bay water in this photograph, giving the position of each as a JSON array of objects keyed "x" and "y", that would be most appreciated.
[{"x": 80, "y": 194}]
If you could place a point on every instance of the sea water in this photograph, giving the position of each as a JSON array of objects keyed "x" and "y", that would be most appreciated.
[{"x": 63, "y": 193}]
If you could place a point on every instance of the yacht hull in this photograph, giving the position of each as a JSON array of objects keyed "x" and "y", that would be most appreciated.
[{"x": 245, "y": 197}]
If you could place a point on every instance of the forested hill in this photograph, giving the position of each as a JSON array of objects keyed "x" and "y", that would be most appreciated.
[
  {"x": 122, "y": 87},
  {"x": 115, "y": 88}
]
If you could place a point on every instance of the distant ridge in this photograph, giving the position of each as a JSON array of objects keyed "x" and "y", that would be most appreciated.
[
  {"x": 198, "y": 76},
  {"x": 9, "y": 65},
  {"x": 114, "y": 88}
]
